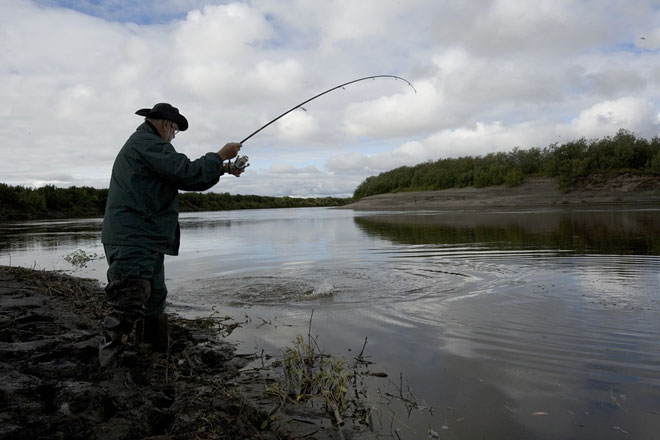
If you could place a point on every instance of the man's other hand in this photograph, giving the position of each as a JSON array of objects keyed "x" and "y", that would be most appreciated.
[{"x": 229, "y": 151}]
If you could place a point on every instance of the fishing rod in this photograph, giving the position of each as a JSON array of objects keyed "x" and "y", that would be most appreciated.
[
  {"x": 323, "y": 93},
  {"x": 241, "y": 162}
]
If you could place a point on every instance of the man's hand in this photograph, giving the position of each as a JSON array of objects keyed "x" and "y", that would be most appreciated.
[{"x": 229, "y": 151}]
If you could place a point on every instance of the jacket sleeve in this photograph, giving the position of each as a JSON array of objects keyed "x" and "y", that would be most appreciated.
[{"x": 196, "y": 175}]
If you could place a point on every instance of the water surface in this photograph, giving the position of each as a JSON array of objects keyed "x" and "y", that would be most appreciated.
[{"x": 507, "y": 324}]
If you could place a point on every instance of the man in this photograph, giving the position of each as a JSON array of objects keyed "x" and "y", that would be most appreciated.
[{"x": 141, "y": 224}]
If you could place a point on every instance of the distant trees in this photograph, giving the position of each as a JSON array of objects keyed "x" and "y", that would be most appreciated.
[
  {"x": 20, "y": 203},
  {"x": 611, "y": 155},
  {"x": 220, "y": 202}
]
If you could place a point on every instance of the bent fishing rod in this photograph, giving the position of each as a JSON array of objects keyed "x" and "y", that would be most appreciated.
[
  {"x": 340, "y": 86},
  {"x": 241, "y": 162}
]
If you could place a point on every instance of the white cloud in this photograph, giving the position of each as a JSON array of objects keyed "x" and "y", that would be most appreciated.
[
  {"x": 296, "y": 126},
  {"x": 497, "y": 27},
  {"x": 277, "y": 77},
  {"x": 602, "y": 119},
  {"x": 478, "y": 140},
  {"x": 289, "y": 169},
  {"x": 395, "y": 115},
  {"x": 286, "y": 180},
  {"x": 490, "y": 75}
]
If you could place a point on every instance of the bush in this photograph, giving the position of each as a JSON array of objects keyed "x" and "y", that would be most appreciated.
[{"x": 622, "y": 153}]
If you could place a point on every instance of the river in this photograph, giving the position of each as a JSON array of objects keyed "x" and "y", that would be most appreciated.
[{"x": 542, "y": 324}]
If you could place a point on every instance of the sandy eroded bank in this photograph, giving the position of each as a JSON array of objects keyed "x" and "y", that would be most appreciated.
[{"x": 625, "y": 190}]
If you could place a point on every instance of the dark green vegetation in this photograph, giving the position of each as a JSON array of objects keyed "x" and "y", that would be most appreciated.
[
  {"x": 191, "y": 202},
  {"x": 568, "y": 162},
  {"x": 21, "y": 203}
]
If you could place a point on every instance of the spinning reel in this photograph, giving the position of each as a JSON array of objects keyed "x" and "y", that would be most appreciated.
[{"x": 240, "y": 163}]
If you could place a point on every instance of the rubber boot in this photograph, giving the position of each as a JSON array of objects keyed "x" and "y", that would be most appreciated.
[
  {"x": 126, "y": 296},
  {"x": 116, "y": 330},
  {"x": 156, "y": 332}
]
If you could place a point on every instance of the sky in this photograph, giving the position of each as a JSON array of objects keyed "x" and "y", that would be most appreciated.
[{"x": 489, "y": 76}]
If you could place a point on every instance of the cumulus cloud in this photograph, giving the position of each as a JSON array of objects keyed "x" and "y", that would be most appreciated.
[
  {"x": 600, "y": 120},
  {"x": 604, "y": 118},
  {"x": 289, "y": 169},
  {"x": 489, "y": 75},
  {"x": 286, "y": 180},
  {"x": 496, "y": 27},
  {"x": 207, "y": 44},
  {"x": 396, "y": 115},
  {"x": 297, "y": 126}
]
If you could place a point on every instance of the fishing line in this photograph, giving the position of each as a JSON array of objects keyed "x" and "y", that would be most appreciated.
[{"x": 323, "y": 93}]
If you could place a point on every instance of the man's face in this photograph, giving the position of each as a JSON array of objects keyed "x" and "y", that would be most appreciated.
[
  {"x": 169, "y": 130},
  {"x": 174, "y": 129}
]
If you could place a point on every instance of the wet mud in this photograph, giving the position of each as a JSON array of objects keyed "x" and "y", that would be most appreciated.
[{"x": 51, "y": 385}]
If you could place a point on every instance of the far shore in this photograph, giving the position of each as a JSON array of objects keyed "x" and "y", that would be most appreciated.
[{"x": 534, "y": 193}]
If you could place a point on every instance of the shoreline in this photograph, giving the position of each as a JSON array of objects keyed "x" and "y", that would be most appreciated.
[
  {"x": 52, "y": 386},
  {"x": 534, "y": 193}
]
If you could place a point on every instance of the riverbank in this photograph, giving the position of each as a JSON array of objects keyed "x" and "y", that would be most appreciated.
[
  {"x": 52, "y": 387},
  {"x": 533, "y": 193}
]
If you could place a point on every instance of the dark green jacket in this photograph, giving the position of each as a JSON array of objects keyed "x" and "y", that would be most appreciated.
[{"x": 143, "y": 200}]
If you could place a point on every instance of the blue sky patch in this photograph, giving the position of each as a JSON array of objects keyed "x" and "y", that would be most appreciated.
[{"x": 143, "y": 12}]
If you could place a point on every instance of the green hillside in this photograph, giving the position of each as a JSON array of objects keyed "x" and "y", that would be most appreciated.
[{"x": 567, "y": 162}]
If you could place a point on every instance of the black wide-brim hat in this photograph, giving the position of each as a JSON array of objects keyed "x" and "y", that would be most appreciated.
[{"x": 164, "y": 110}]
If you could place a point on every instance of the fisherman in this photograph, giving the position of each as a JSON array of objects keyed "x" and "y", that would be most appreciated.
[{"x": 141, "y": 225}]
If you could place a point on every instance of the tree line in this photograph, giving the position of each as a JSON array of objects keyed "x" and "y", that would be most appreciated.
[
  {"x": 567, "y": 162},
  {"x": 23, "y": 203}
]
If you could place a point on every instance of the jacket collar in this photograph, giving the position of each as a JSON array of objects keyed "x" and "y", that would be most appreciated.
[{"x": 146, "y": 125}]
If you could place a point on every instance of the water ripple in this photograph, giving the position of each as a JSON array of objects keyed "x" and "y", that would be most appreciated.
[{"x": 549, "y": 311}]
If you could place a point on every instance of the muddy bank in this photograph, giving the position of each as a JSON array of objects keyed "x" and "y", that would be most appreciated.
[
  {"x": 52, "y": 387},
  {"x": 533, "y": 193}
]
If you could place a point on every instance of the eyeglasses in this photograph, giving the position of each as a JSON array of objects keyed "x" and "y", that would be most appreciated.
[{"x": 174, "y": 127}]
